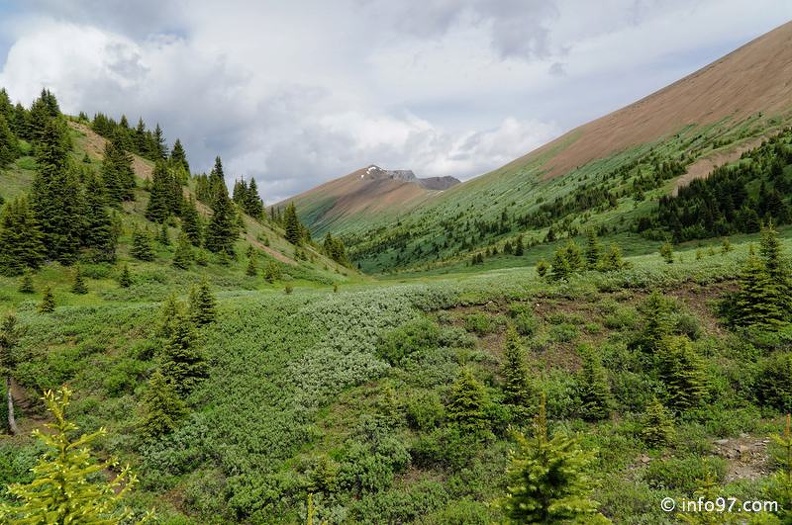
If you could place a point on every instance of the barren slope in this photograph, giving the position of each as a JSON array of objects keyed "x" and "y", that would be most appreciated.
[
  {"x": 370, "y": 191},
  {"x": 755, "y": 78}
]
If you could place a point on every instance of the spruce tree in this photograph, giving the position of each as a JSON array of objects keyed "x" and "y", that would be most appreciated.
[
  {"x": 9, "y": 145},
  {"x": 163, "y": 410},
  {"x": 178, "y": 156},
  {"x": 202, "y": 305},
  {"x": 57, "y": 197},
  {"x": 547, "y": 478},
  {"x": 125, "y": 279},
  {"x": 560, "y": 269},
  {"x": 171, "y": 314},
  {"x": 758, "y": 301},
  {"x": 68, "y": 484},
  {"x": 183, "y": 256},
  {"x": 519, "y": 247},
  {"x": 682, "y": 371},
  {"x": 291, "y": 224},
  {"x": 9, "y": 340},
  {"x": 99, "y": 237},
  {"x": 611, "y": 260},
  {"x": 78, "y": 286},
  {"x": 191, "y": 223},
  {"x": 21, "y": 243},
  {"x": 47, "y": 304},
  {"x": 253, "y": 205},
  {"x": 667, "y": 252},
  {"x": 222, "y": 231},
  {"x": 252, "y": 266},
  {"x": 778, "y": 271},
  {"x": 117, "y": 173},
  {"x": 593, "y": 251},
  {"x": 26, "y": 286},
  {"x": 594, "y": 387},
  {"x": 467, "y": 408},
  {"x": 182, "y": 363},
  {"x": 159, "y": 150},
  {"x": 163, "y": 238},
  {"x": 658, "y": 425},
  {"x": 160, "y": 206},
  {"x": 517, "y": 388},
  {"x": 141, "y": 246}
]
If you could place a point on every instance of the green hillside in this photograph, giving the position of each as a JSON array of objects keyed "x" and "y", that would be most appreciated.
[{"x": 244, "y": 373}]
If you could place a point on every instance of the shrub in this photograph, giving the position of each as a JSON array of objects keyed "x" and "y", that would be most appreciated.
[
  {"x": 425, "y": 411},
  {"x": 773, "y": 385},
  {"x": 415, "y": 336},
  {"x": 479, "y": 323},
  {"x": 684, "y": 474}
]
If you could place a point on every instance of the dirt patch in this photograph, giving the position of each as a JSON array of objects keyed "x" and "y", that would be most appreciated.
[
  {"x": 747, "y": 457},
  {"x": 702, "y": 168},
  {"x": 94, "y": 145}
]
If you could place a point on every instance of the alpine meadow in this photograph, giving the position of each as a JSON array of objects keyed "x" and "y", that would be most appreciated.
[{"x": 589, "y": 331}]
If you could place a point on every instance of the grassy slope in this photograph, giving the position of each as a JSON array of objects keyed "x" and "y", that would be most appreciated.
[
  {"x": 520, "y": 188},
  {"x": 296, "y": 380}
]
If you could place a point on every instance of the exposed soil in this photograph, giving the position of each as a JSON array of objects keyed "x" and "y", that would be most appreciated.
[
  {"x": 746, "y": 456},
  {"x": 702, "y": 168},
  {"x": 754, "y": 78}
]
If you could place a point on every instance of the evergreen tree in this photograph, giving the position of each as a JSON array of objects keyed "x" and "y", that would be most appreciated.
[
  {"x": 252, "y": 267},
  {"x": 125, "y": 279},
  {"x": 47, "y": 304},
  {"x": 159, "y": 149},
  {"x": 468, "y": 406},
  {"x": 141, "y": 246},
  {"x": 656, "y": 311},
  {"x": 9, "y": 340},
  {"x": 163, "y": 238},
  {"x": 560, "y": 269},
  {"x": 79, "y": 287},
  {"x": 519, "y": 248},
  {"x": 667, "y": 252},
  {"x": 517, "y": 388},
  {"x": 99, "y": 237},
  {"x": 542, "y": 268},
  {"x": 547, "y": 478},
  {"x": 758, "y": 301},
  {"x": 160, "y": 203},
  {"x": 183, "y": 255},
  {"x": 182, "y": 364},
  {"x": 163, "y": 410},
  {"x": 172, "y": 313},
  {"x": 117, "y": 173},
  {"x": 178, "y": 156},
  {"x": 26, "y": 286},
  {"x": 682, "y": 372},
  {"x": 611, "y": 260},
  {"x": 593, "y": 251},
  {"x": 20, "y": 238},
  {"x": 191, "y": 223},
  {"x": 9, "y": 145},
  {"x": 291, "y": 224},
  {"x": 68, "y": 485},
  {"x": 658, "y": 425},
  {"x": 57, "y": 197},
  {"x": 202, "y": 305},
  {"x": 253, "y": 204},
  {"x": 222, "y": 231},
  {"x": 778, "y": 271},
  {"x": 594, "y": 388}
]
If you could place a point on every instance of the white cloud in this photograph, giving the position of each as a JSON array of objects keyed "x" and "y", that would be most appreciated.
[{"x": 298, "y": 93}]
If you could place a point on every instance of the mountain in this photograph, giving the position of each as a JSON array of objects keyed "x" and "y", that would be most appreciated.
[
  {"x": 370, "y": 191},
  {"x": 591, "y": 176}
]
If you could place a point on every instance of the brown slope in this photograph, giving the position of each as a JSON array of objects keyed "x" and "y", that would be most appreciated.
[
  {"x": 365, "y": 191},
  {"x": 755, "y": 78}
]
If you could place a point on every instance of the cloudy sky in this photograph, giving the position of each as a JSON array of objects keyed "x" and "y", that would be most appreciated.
[{"x": 297, "y": 92}]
